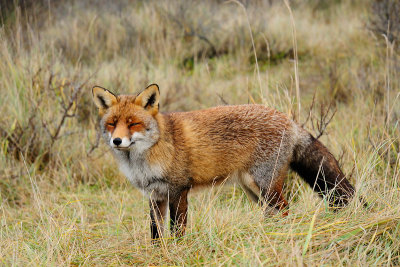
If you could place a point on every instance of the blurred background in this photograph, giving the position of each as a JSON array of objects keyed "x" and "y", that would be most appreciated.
[{"x": 333, "y": 66}]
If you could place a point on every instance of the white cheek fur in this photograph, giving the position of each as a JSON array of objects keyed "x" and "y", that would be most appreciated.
[
  {"x": 138, "y": 136},
  {"x": 125, "y": 142},
  {"x": 142, "y": 142}
]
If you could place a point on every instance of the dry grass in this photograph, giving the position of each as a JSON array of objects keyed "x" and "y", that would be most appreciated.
[{"x": 63, "y": 201}]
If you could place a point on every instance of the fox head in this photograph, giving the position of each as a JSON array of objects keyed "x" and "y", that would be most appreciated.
[{"x": 128, "y": 122}]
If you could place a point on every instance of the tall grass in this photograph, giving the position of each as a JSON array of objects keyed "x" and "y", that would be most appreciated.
[{"x": 63, "y": 200}]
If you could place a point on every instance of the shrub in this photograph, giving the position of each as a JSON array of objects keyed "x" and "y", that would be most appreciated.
[{"x": 385, "y": 18}]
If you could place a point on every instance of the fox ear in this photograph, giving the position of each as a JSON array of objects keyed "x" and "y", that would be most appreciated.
[
  {"x": 149, "y": 98},
  {"x": 103, "y": 98}
]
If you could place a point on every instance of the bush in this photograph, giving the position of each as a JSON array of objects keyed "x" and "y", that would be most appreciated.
[{"x": 385, "y": 18}]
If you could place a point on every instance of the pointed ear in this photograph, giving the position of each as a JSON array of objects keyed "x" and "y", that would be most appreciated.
[
  {"x": 149, "y": 98},
  {"x": 103, "y": 98}
]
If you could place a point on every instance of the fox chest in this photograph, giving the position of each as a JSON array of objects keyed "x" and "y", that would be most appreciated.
[{"x": 148, "y": 178}]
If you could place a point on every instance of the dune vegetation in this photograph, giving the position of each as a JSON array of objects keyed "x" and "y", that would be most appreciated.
[{"x": 333, "y": 66}]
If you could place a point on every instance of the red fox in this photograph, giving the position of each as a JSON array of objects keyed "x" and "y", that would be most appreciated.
[{"x": 165, "y": 155}]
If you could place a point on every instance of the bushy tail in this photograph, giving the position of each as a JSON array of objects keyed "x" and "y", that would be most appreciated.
[{"x": 317, "y": 166}]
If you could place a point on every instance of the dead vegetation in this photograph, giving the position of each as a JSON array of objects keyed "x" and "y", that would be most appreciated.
[{"x": 63, "y": 201}]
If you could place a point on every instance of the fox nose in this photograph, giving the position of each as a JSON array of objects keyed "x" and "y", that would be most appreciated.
[{"x": 117, "y": 141}]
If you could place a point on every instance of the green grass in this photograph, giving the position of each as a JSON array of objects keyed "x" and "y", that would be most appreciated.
[{"x": 62, "y": 198}]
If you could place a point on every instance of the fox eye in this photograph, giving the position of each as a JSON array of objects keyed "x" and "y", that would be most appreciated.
[
  {"x": 111, "y": 124},
  {"x": 133, "y": 124}
]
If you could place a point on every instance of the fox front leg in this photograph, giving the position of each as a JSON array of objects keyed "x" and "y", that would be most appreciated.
[
  {"x": 178, "y": 206},
  {"x": 157, "y": 216}
]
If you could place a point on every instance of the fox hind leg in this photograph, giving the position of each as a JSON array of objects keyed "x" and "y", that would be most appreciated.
[
  {"x": 275, "y": 200},
  {"x": 270, "y": 184}
]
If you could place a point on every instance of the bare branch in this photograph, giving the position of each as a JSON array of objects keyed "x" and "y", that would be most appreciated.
[
  {"x": 325, "y": 116},
  {"x": 72, "y": 100},
  {"x": 95, "y": 145},
  {"x": 324, "y": 119}
]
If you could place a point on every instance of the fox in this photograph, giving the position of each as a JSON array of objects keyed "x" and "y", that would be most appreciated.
[{"x": 166, "y": 155}]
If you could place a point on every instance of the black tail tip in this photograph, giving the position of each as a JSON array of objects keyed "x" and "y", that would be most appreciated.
[{"x": 337, "y": 203}]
